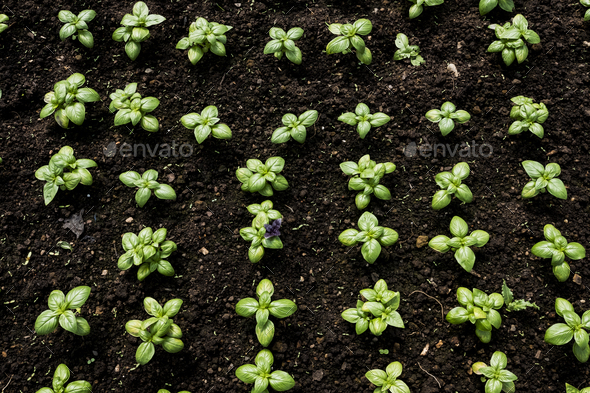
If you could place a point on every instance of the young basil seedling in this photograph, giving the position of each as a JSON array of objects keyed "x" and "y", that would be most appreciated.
[
  {"x": 349, "y": 37},
  {"x": 485, "y": 6},
  {"x": 496, "y": 377},
  {"x": 461, "y": 242},
  {"x": 418, "y": 7},
  {"x": 446, "y": 117},
  {"x": 64, "y": 172},
  {"x": 569, "y": 388},
  {"x": 382, "y": 304},
  {"x": 67, "y": 101},
  {"x": 158, "y": 330},
  {"x": 262, "y": 377},
  {"x": 263, "y": 308},
  {"x": 60, "y": 311},
  {"x": 543, "y": 179},
  {"x": 363, "y": 119},
  {"x": 205, "y": 124},
  {"x": 147, "y": 183},
  {"x": 450, "y": 183},
  {"x": 510, "y": 42},
  {"x": 387, "y": 381},
  {"x": 262, "y": 236},
  {"x": 528, "y": 116},
  {"x": 60, "y": 378},
  {"x": 284, "y": 44},
  {"x": 294, "y": 127},
  {"x": 371, "y": 235},
  {"x": 574, "y": 327},
  {"x": 557, "y": 248},
  {"x": 407, "y": 51},
  {"x": 135, "y": 28},
  {"x": 365, "y": 179},
  {"x": 77, "y": 25},
  {"x": 262, "y": 178},
  {"x": 585, "y": 3},
  {"x": 514, "y": 305},
  {"x": 202, "y": 38},
  {"x": 147, "y": 250},
  {"x": 264, "y": 213},
  {"x": 479, "y": 309},
  {"x": 132, "y": 108},
  {"x": 3, "y": 26}
]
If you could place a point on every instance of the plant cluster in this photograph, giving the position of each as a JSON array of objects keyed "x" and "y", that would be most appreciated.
[
  {"x": 446, "y": 117},
  {"x": 147, "y": 250},
  {"x": 363, "y": 119},
  {"x": 461, "y": 243},
  {"x": 263, "y": 213},
  {"x": 263, "y": 308},
  {"x": 61, "y": 310},
  {"x": 371, "y": 235},
  {"x": 284, "y": 44},
  {"x": 574, "y": 327},
  {"x": 366, "y": 176},
  {"x": 132, "y": 108},
  {"x": 261, "y": 375},
  {"x": 158, "y": 330},
  {"x": 64, "y": 172},
  {"x": 135, "y": 28},
  {"x": 263, "y": 178},
  {"x": 262, "y": 236},
  {"x": 349, "y": 37},
  {"x": 77, "y": 25},
  {"x": 557, "y": 248},
  {"x": 387, "y": 381},
  {"x": 59, "y": 383},
  {"x": 206, "y": 123},
  {"x": 496, "y": 377},
  {"x": 485, "y": 6},
  {"x": 418, "y": 7},
  {"x": 543, "y": 179},
  {"x": 511, "y": 40},
  {"x": 146, "y": 184},
  {"x": 67, "y": 101},
  {"x": 203, "y": 37},
  {"x": 479, "y": 309},
  {"x": 382, "y": 304},
  {"x": 3, "y": 26},
  {"x": 294, "y": 127},
  {"x": 407, "y": 51},
  {"x": 527, "y": 116},
  {"x": 450, "y": 184},
  {"x": 514, "y": 305}
]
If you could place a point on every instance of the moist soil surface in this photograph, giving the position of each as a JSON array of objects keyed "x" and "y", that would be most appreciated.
[{"x": 252, "y": 91}]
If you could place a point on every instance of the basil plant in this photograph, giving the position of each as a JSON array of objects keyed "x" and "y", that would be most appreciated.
[
  {"x": 557, "y": 248},
  {"x": 387, "y": 381},
  {"x": 450, "y": 184},
  {"x": 371, "y": 235},
  {"x": 418, "y": 7},
  {"x": 528, "y": 116},
  {"x": 146, "y": 184},
  {"x": 496, "y": 377},
  {"x": 479, "y": 309},
  {"x": 160, "y": 329},
  {"x": 574, "y": 327},
  {"x": 366, "y": 176},
  {"x": 147, "y": 250},
  {"x": 511, "y": 40},
  {"x": 67, "y": 101},
  {"x": 543, "y": 179},
  {"x": 261, "y": 375},
  {"x": 363, "y": 119},
  {"x": 60, "y": 385},
  {"x": 263, "y": 178},
  {"x": 135, "y": 28},
  {"x": 76, "y": 25},
  {"x": 64, "y": 172},
  {"x": 284, "y": 44},
  {"x": 202, "y": 38},
  {"x": 3, "y": 18},
  {"x": 585, "y": 3},
  {"x": 446, "y": 117},
  {"x": 382, "y": 304},
  {"x": 262, "y": 236},
  {"x": 407, "y": 51},
  {"x": 569, "y": 388},
  {"x": 62, "y": 310},
  {"x": 263, "y": 308},
  {"x": 349, "y": 37},
  {"x": 294, "y": 127},
  {"x": 132, "y": 108},
  {"x": 206, "y": 123},
  {"x": 461, "y": 243},
  {"x": 264, "y": 213},
  {"x": 485, "y": 6}
]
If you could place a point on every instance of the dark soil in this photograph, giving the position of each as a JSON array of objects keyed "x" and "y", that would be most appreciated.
[{"x": 252, "y": 91}]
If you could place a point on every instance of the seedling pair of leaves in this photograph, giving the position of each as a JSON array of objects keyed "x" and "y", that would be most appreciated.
[
  {"x": 496, "y": 377},
  {"x": 528, "y": 116},
  {"x": 366, "y": 176},
  {"x": 450, "y": 184},
  {"x": 381, "y": 304},
  {"x": 387, "y": 381},
  {"x": 511, "y": 40},
  {"x": 61, "y": 310},
  {"x": 64, "y": 172},
  {"x": 60, "y": 385},
  {"x": 514, "y": 305},
  {"x": 3, "y": 18},
  {"x": 569, "y": 388},
  {"x": 585, "y": 3},
  {"x": 294, "y": 127},
  {"x": 158, "y": 330},
  {"x": 206, "y": 123},
  {"x": 371, "y": 235},
  {"x": 135, "y": 28},
  {"x": 261, "y": 375},
  {"x": 543, "y": 179},
  {"x": 446, "y": 117},
  {"x": 418, "y": 7},
  {"x": 349, "y": 37},
  {"x": 574, "y": 327},
  {"x": 363, "y": 119},
  {"x": 147, "y": 250},
  {"x": 407, "y": 51},
  {"x": 461, "y": 243},
  {"x": 262, "y": 236},
  {"x": 263, "y": 178},
  {"x": 263, "y": 308},
  {"x": 203, "y": 37},
  {"x": 132, "y": 108},
  {"x": 557, "y": 248},
  {"x": 479, "y": 309},
  {"x": 485, "y": 6},
  {"x": 147, "y": 184},
  {"x": 284, "y": 44},
  {"x": 77, "y": 25}
]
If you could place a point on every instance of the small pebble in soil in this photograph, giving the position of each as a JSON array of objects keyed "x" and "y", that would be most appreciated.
[{"x": 129, "y": 220}]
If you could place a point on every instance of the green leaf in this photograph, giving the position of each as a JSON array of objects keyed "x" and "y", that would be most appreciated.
[
  {"x": 282, "y": 308},
  {"x": 265, "y": 333},
  {"x": 348, "y": 237},
  {"x": 152, "y": 307},
  {"x": 440, "y": 199},
  {"x": 145, "y": 353},
  {"x": 499, "y": 360},
  {"x": 457, "y": 316},
  {"x": 77, "y": 297},
  {"x": 575, "y": 251},
  {"x": 446, "y": 125},
  {"x": 338, "y": 45},
  {"x": 367, "y": 221},
  {"x": 76, "y": 112},
  {"x": 152, "y": 20},
  {"x": 559, "y": 334},
  {"x": 581, "y": 353},
  {"x": 67, "y": 320},
  {"x": 440, "y": 243},
  {"x": 255, "y": 254},
  {"x": 382, "y": 192},
  {"x": 308, "y": 118},
  {"x": 164, "y": 191},
  {"x": 275, "y": 164},
  {"x": 543, "y": 249},
  {"x": 459, "y": 227},
  {"x": 482, "y": 237},
  {"x": 247, "y": 373},
  {"x": 132, "y": 49},
  {"x": 388, "y": 238},
  {"x": 294, "y": 55},
  {"x": 49, "y": 192},
  {"x": 508, "y": 56},
  {"x": 363, "y": 128},
  {"x": 281, "y": 381},
  {"x": 371, "y": 250},
  {"x": 273, "y": 242},
  {"x": 247, "y": 307},
  {"x": 581, "y": 338},
  {"x": 557, "y": 188},
  {"x": 46, "y": 322},
  {"x": 363, "y": 26},
  {"x": 378, "y": 119},
  {"x": 465, "y": 257},
  {"x": 376, "y": 377}
]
